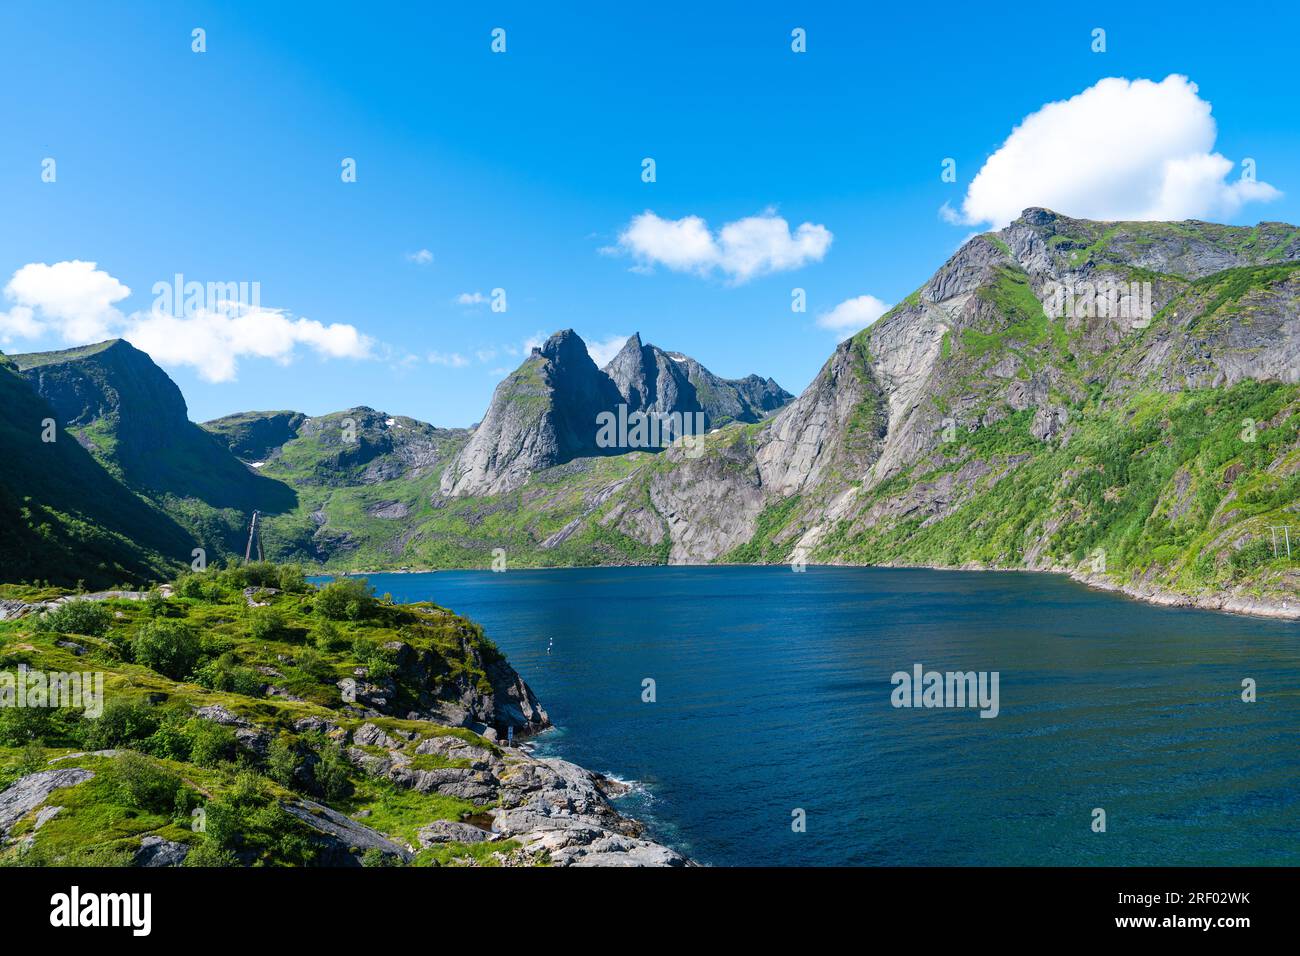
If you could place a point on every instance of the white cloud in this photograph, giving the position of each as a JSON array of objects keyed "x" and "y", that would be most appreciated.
[
  {"x": 741, "y": 250},
  {"x": 421, "y": 257},
  {"x": 449, "y": 359},
  {"x": 535, "y": 341},
  {"x": 213, "y": 342},
  {"x": 471, "y": 298},
  {"x": 1119, "y": 150},
  {"x": 486, "y": 355},
  {"x": 20, "y": 322},
  {"x": 601, "y": 352},
  {"x": 852, "y": 315},
  {"x": 77, "y": 301}
]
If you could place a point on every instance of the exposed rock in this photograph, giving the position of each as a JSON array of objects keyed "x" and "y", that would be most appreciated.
[
  {"x": 345, "y": 841},
  {"x": 546, "y": 412},
  {"x": 29, "y": 792},
  {"x": 450, "y": 831},
  {"x": 155, "y": 851},
  {"x": 219, "y": 714},
  {"x": 669, "y": 383}
]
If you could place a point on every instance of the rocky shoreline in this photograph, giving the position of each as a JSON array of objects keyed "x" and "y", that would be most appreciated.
[{"x": 1225, "y": 603}]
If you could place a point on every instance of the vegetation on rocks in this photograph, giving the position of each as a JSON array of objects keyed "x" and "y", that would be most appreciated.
[{"x": 216, "y": 732}]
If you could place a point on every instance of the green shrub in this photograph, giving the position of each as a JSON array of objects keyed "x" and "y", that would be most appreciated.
[
  {"x": 190, "y": 586},
  {"x": 51, "y": 726},
  {"x": 76, "y": 617},
  {"x": 333, "y": 773},
  {"x": 327, "y": 636},
  {"x": 155, "y": 605},
  {"x": 124, "y": 723},
  {"x": 377, "y": 659},
  {"x": 266, "y": 624},
  {"x": 224, "y": 673},
  {"x": 1253, "y": 555},
  {"x": 169, "y": 647},
  {"x": 211, "y": 744},
  {"x": 347, "y": 599},
  {"x": 170, "y": 741},
  {"x": 142, "y": 784},
  {"x": 248, "y": 817},
  {"x": 283, "y": 761},
  {"x": 208, "y": 853},
  {"x": 31, "y": 759}
]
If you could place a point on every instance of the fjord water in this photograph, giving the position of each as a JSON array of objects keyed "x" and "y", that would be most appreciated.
[{"x": 773, "y": 694}]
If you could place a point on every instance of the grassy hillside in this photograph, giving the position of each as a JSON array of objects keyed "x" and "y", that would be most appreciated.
[
  {"x": 133, "y": 419},
  {"x": 63, "y": 517},
  {"x": 217, "y": 706}
]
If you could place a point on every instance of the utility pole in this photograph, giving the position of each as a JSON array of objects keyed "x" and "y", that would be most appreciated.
[
  {"x": 253, "y": 533},
  {"x": 1286, "y": 540}
]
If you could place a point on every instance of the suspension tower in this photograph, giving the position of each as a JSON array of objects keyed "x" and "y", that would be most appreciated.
[{"x": 254, "y": 534}]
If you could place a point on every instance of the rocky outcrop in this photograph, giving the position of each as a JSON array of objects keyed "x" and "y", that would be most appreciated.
[
  {"x": 155, "y": 851},
  {"x": 547, "y": 411},
  {"x": 27, "y": 793},
  {"x": 427, "y": 685},
  {"x": 542, "y": 414},
  {"x": 344, "y": 841},
  {"x": 651, "y": 380},
  {"x": 556, "y": 811}
]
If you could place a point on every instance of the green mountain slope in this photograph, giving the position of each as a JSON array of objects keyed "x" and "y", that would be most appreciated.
[
  {"x": 969, "y": 427},
  {"x": 133, "y": 419},
  {"x": 63, "y": 518}
]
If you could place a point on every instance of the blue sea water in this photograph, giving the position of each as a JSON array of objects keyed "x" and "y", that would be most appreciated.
[{"x": 773, "y": 695}]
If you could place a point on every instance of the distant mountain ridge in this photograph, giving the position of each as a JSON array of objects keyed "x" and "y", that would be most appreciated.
[
  {"x": 970, "y": 426},
  {"x": 546, "y": 412}
]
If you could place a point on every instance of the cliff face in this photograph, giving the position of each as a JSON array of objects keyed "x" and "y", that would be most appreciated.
[
  {"x": 967, "y": 426},
  {"x": 546, "y": 412},
  {"x": 651, "y": 380},
  {"x": 63, "y": 518},
  {"x": 130, "y": 415},
  {"x": 1118, "y": 400}
]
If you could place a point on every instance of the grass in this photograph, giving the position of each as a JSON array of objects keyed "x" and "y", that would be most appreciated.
[{"x": 99, "y": 823}]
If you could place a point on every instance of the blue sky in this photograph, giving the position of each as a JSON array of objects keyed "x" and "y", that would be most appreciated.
[{"x": 522, "y": 170}]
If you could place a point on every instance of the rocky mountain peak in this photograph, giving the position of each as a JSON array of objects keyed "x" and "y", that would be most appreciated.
[{"x": 546, "y": 412}]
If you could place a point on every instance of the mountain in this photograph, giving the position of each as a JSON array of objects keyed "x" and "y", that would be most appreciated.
[
  {"x": 1115, "y": 400},
  {"x": 126, "y": 411},
  {"x": 649, "y": 379},
  {"x": 63, "y": 517},
  {"x": 363, "y": 478},
  {"x": 969, "y": 428},
  {"x": 546, "y": 412},
  {"x": 542, "y": 414},
  {"x": 253, "y": 436}
]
